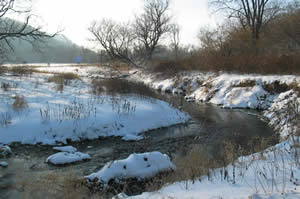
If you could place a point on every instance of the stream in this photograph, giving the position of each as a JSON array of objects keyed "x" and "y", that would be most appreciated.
[{"x": 208, "y": 127}]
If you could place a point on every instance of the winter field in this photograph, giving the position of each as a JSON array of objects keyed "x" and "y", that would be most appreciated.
[
  {"x": 49, "y": 114},
  {"x": 33, "y": 111}
]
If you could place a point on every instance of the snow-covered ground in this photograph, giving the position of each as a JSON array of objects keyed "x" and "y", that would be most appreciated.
[
  {"x": 140, "y": 166},
  {"x": 62, "y": 158},
  {"x": 65, "y": 149},
  {"x": 50, "y": 116}
]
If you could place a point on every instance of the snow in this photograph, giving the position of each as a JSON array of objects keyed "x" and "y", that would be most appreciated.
[
  {"x": 226, "y": 90},
  {"x": 140, "y": 166},
  {"x": 271, "y": 174},
  {"x": 3, "y": 164},
  {"x": 5, "y": 151},
  {"x": 268, "y": 175},
  {"x": 132, "y": 138},
  {"x": 280, "y": 116},
  {"x": 75, "y": 114},
  {"x": 165, "y": 85},
  {"x": 120, "y": 196},
  {"x": 63, "y": 158},
  {"x": 247, "y": 97},
  {"x": 65, "y": 149}
]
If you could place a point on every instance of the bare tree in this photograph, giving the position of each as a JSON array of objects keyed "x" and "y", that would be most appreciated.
[
  {"x": 12, "y": 29},
  {"x": 251, "y": 14},
  {"x": 116, "y": 39},
  {"x": 175, "y": 38},
  {"x": 152, "y": 24}
]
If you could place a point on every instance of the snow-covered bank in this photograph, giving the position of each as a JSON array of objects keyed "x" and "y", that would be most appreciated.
[
  {"x": 50, "y": 116},
  {"x": 63, "y": 158},
  {"x": 139, "y": 166},
  {"x": 225, "y": 90},
  {"x": 273, "y": 173}
]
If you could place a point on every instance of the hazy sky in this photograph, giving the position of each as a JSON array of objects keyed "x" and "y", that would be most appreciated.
[{"x": 75, "y": 16}]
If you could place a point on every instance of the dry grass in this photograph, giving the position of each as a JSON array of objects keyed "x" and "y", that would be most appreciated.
[
  {"x": 195, "y": 164},
  {"x": 246, "y": 83},
  {"x": 121, "y": 86},
  {"x": 118, "y": 66},
  {"x": 63, "y": 78},
  {"x": 5, "y": 86},
  {"x": 20, "y": 103},
  {"x": 53, "y": 185}
]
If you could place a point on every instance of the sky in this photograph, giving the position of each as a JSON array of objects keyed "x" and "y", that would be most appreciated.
[{"x": 75, "y": 16}]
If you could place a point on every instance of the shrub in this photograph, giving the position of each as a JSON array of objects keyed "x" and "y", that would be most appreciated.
[{"x": 120, "y": 86}]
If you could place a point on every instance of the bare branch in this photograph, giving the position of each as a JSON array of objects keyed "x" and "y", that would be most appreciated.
[{"x": 152, "y": 24}]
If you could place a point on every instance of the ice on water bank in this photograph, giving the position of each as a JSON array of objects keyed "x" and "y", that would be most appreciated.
[
  {"x": 3, "y": 164},
  {"x": 132, "y": 138},
  {"x": 140, "y": 166},
  {"x": 5, "y": 151},
  {"x": 63, "y": 158},
  {"x": 65, "y": 149}
]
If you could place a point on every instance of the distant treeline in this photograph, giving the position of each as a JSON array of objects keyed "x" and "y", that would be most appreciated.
[{"x": 54, "y": 50}]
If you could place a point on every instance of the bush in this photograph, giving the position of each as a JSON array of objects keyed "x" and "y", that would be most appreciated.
[{"x": 120, "y": 86}]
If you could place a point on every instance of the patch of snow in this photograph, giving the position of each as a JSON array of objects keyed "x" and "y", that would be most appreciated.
[
  {"x": 3, "y": 164},
  {"x": 120, "y": 196},
  {"x": 244, "y": 97},
  {"x": 140, "y": 166},
  {"x": 63, "y": 158},
  {"x": 165, "y": 85},
  {"x": 65, "y": 148},
  {"x": 5, "y": 151},
  {"x": 132, "y": 137}
]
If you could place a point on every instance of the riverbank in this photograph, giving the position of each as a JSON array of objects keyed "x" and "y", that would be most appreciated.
[{"x": 272, "y": 173}]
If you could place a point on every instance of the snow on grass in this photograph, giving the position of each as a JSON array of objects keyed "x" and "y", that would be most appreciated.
[
  {"x": 65, "y": 148},
  {"x": 140, "y": 166},
  {"x": 63, "y": 158},
  {"x": 267, "y": 175},
  {"x": 74, "y": 114},
  {"x": 283, "y": 112}
]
